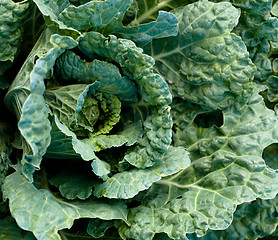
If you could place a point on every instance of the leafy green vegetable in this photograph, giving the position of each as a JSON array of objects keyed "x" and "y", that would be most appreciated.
[{"x": 138, "y": 119}]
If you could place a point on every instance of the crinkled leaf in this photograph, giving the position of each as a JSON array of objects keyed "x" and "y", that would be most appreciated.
[
  {"x": 12, "y": 16},
  {"x": 155, "y": 92},
  {"x": 272, "y": 84},
  {"x": 251, "y": 221},
  {"x": 129, "y": 136},
  {"x": 73, "y": 184},
  {"x": 127, "y": 184},
  {"x": 30, "y": 206},
  {"x": 69, "y": 67},
  {"x": 226, "y": 170},
  {"x": 9, "y": 230},
  {"x": 205, "y": 63},
  {"x": 258, "y": 30}
]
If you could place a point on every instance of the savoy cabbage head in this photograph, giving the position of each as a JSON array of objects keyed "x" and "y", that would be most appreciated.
[{"x": 135, "y": 119}]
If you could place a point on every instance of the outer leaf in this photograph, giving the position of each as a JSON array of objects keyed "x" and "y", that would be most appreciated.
[
  {"x": 9, "y": 230},
  {"x": 165, "y": 26},
  {"x": 127, "y": 184},
  {"x": 227, "y": 170},
  {"x": 51, "y": 10},
  {"x": 251, "y": 221},
  {"x": 73, "y": 185},
  {"x": 129, "y": 136},
  {"x": 258, "y": 31},
  {"x": 30, "y": 206},
  {"x": 96, "y": 15},
  {"x": 205, "y": 63},
  {"x": 154, "y": 91},
  {"x": 33, "y": 124},
  {"x": 12, "y": 16},
  {"x": 70, "y": 67},
  {"x": 106, "y": 17}
]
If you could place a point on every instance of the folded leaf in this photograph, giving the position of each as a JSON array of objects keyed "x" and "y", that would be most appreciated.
[
  {"x": 51, "y": 10},
  {"x": 62, "y": 136},
  {"x": 30, "y": 206},
  {"x": 165, "y": 26},
  {"x": 106, "y": 17},
  {"x": 96, "y": 15},
  {"x": 127, "y": 184},
  {"x": 33, "y": 123},
  {"x": 154, "y": 91},
  {"x": 75, "y": 106},
  {"x": 69, "y": 67},
  {"x": 205, "y": 63},
  {"x": 129, "y": 136}
]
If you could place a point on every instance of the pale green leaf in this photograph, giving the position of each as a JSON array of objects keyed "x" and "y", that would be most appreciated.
[
  {"x": 75, "y": 106},
  {"x": 85, "y": 152},
  {"x": 205, "y": 63},
  {"x": 129, "y": 136},
  {"x": 127, "y": 184},
  {"x": 30, "y": 206}
]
